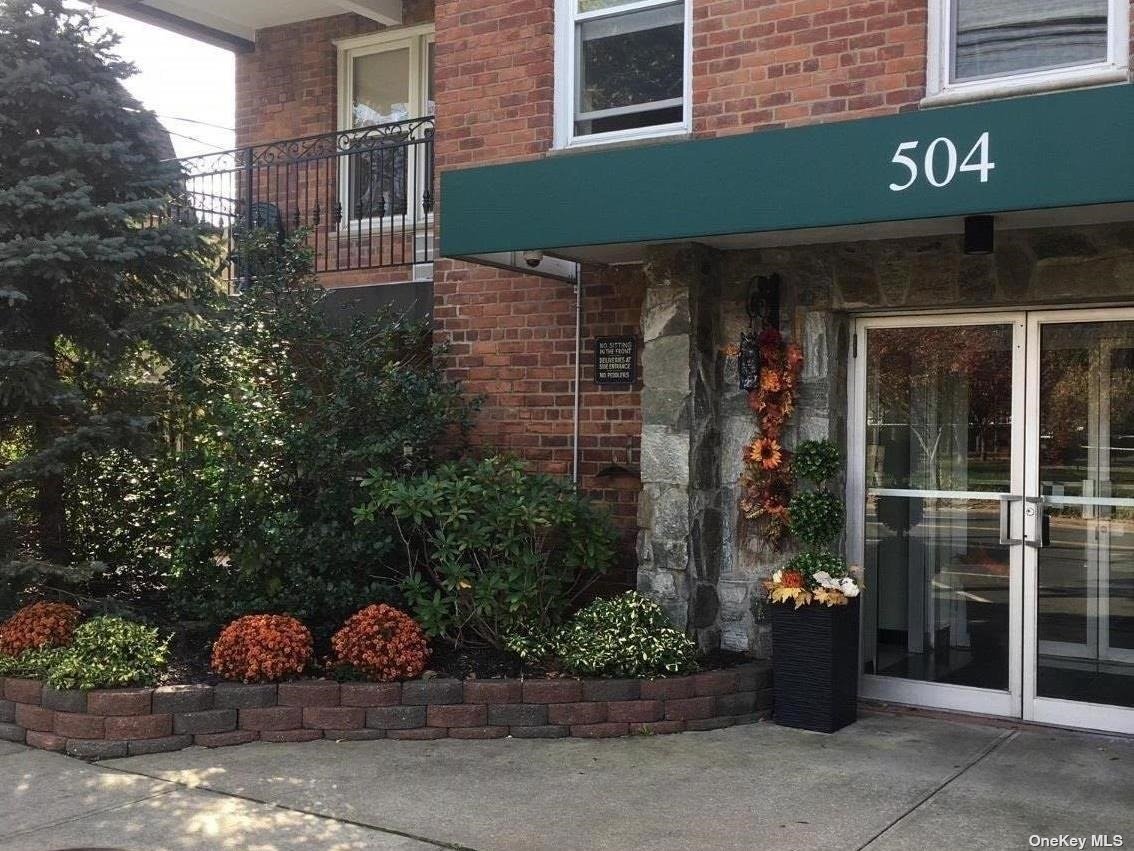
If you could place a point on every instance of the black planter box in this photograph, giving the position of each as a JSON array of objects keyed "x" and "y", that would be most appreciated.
[{"x": 815, "y": 665}]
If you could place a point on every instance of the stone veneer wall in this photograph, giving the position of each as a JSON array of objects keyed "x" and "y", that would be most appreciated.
[
  {"x": 108, "y": 724},
  {"x": 695, "y": 556}
]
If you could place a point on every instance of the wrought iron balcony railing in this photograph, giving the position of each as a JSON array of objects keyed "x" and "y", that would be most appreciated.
[{"x": 364, "y": 197}]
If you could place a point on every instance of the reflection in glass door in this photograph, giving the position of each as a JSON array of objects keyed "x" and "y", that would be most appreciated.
[
  {"x": 1081, "y": 522},
  {"x": 991, "y": 502},
  {"x": 941, "y": 464}
]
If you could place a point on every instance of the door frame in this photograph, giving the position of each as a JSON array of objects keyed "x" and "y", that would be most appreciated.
[
  {"x": 1046, "y": 710},
  {"x": 955, "y": 698}
]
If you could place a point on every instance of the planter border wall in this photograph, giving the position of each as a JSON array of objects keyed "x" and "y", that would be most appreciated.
[{"x": 106, "y": 724}]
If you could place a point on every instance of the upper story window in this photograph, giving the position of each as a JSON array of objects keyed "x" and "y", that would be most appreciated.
[
  {"x": 386, "y": 81},
  {"x": 386, "y": 77},
  {"x": 622, "y": 69},
  {"x": 991, "y": 48}
]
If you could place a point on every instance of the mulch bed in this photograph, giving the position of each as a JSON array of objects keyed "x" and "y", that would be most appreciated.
[{"x": 189, "y": 661}]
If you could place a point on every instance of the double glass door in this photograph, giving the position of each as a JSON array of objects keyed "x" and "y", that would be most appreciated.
[{"x": 991, "y": 496}]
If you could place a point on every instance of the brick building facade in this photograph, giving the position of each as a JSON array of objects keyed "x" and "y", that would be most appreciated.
[{"x": 920, "y": 177}]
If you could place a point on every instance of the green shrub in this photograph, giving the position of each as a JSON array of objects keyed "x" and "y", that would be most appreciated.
[
  {"x": 490, "y": 547},
  {"x": 110, "y": 652},
  {"x": 32, "y": 664},
  {"x": 816, "y": 461},
  {"x": 816, "y": 517},
  {"x": 279, "y": 404},
  {"x": 625, "y": 636}
]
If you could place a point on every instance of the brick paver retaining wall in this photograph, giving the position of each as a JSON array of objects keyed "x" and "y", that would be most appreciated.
[{"x": 114, "y": 723}]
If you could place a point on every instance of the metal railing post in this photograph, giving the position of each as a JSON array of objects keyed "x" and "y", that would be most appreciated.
[{"x": 249, "y": 180}]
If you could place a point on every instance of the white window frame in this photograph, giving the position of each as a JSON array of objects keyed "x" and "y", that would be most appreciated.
[
  {"x": 941, "y": 90},
  {"x": 567, "y": 19},
  {"x": 417, "y": 40}
]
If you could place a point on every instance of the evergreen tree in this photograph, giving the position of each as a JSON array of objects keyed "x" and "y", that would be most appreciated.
[{"x": 91, "y": 270}]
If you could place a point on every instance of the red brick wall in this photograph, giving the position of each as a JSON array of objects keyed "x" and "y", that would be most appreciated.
[
  {"x": 759, "y": 64},
  {"x": 495, "y": 79},
  {"x": 287, "y": 87},
  {"x": 512, "y": 341},
  {"x": 756, "y": 63},
  {"x": 513, "y": 335}
]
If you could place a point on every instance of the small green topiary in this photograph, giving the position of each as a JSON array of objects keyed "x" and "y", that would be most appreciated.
[
  {"x": 811, "y": 562},
  {"x": 816, "y": 461},
  {"x": 625, "y": 636},
  {"x": 816, "y": 517},
  {"x": 110, "y": 652}
]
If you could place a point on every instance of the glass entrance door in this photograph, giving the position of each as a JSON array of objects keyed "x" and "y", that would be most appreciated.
[
  {"x": 991, "y": 504},
  {"x": 1080, "y": 521},
  {"x": 939, "y": 511}
]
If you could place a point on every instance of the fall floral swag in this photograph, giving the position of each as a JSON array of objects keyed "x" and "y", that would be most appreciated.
[{"x": 768, "y": 480}]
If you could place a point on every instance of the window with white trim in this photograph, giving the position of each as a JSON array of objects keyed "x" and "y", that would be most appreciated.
[
  {"x": 385, "y": 78},
  {"x": 622, "y": 69},
  {"x": 1001, "y": 47}
]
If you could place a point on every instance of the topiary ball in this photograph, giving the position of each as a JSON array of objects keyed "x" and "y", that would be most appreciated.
[
  {"x": 816, "y": 461},
  {"x": 816, "y": 517}
]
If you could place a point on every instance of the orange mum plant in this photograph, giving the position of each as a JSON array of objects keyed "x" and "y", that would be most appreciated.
[
  {"x": 262, "y": 649},
  {"x": 383, "y": 643},
  {"x": 39, "y": 626},
  {"x": 768, "y": 478}
]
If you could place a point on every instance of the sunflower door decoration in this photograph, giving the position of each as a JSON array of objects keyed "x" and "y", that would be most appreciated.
[{"x": 771, "y": 376}]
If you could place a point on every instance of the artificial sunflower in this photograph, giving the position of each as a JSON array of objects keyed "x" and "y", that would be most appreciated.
[{"x": 767, "y": 452}]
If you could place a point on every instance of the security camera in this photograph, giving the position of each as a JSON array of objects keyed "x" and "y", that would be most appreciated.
[{"x": 533, "y": 258}]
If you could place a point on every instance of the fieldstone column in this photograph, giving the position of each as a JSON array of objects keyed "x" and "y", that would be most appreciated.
[
  {"x": 680, "y": 515},
  {"x": 805, "y": 317}
]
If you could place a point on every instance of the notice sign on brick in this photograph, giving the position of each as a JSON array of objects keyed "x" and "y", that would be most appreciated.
[{"x": 614, "y": 360}]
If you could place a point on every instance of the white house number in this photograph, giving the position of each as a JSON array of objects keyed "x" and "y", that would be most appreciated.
[{"x": 939, "y": 165}]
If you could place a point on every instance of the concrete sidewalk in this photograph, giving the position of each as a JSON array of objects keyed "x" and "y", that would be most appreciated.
[{"x": 888, "y": 782}]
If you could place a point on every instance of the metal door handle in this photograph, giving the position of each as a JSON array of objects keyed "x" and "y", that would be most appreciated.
[
  {"x": 1006, "y": 500},
  {"x": 1041, "y": 527}
]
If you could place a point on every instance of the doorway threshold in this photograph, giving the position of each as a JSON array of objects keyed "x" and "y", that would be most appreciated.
[{"x": 899, "y": 710}]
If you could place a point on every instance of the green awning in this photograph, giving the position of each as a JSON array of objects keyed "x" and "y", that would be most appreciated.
[{"x": 1069, "y": 149}]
